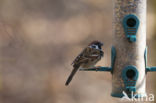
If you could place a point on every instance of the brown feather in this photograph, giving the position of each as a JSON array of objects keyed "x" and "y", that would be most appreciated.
[{"x": 76, "y": 67}]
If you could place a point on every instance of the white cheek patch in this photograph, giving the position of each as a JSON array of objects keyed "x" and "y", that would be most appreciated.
[
  {"x": 94, "y": 46},
  {"x": 97, "y": 47}
]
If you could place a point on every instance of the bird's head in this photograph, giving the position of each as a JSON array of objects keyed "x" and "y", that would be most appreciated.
[{"x": 96, "y": 45}]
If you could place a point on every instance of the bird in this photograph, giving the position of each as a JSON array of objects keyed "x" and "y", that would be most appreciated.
[{"x": 88, "y": 58}]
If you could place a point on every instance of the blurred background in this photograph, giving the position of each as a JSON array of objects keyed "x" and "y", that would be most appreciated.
[{"x": 39, "y": 40}]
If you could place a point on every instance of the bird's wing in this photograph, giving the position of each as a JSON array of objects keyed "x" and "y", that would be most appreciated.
[{"x": 82, "y": 56}]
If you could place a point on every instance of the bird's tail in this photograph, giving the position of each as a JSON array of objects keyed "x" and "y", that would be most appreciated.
[{"x": 71, "y": 75}]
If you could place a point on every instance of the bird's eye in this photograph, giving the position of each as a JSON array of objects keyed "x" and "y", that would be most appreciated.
[{"x": 93, "y": 46}]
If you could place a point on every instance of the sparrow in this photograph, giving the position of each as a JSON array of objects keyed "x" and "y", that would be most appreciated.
[{"x": 87, "y": 58}]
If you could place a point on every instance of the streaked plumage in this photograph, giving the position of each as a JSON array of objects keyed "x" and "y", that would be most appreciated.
[{"x": 87, "y": 58}]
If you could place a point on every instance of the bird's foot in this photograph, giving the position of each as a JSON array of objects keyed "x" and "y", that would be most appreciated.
[{"x": 97, "y": 68}]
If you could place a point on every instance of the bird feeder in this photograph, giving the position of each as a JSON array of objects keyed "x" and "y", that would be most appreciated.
[{"x": 129, "y": 51}]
